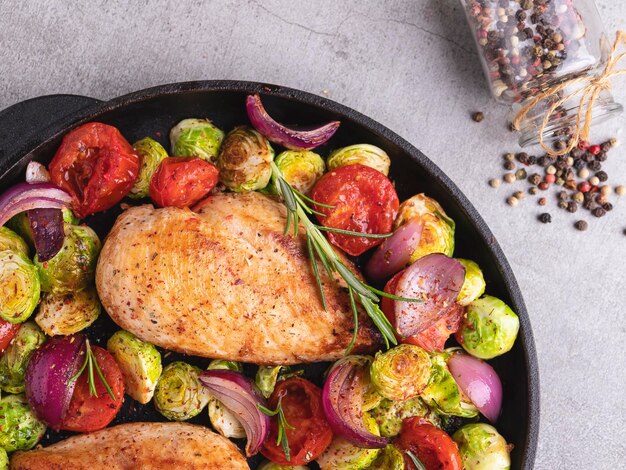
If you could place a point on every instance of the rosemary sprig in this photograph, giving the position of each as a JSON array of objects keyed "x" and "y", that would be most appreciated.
[
  {"x": 320, "y": 248},
  {"x": 417, "y": 462},
  {"x": 90, "y": 364},
  {"x": 283, "y": 425}
]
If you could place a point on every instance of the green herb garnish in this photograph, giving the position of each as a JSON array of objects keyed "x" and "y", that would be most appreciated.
[
  {"x": 90, "y": 364},
  {"x": 283, "y": 425},
  {"x": 320, "y": 248},
  {"x": 417, "y": 462}
]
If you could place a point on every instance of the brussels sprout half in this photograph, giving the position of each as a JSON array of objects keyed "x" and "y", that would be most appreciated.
[
  {"x": 11, "y": 241},
  {"x": 474, "y": 283},
  {"x": 343, "y": 455},
  {"x": 179, "y": 395},
  {"x": 140, "y": 363},
  {"x": 19, "y": 287},
  {"x": 222, "y": 420},
  {"x": 152, "y": 154},
  {"x": 401, "y": 373},
  {"x": 15, "y": 359},
  {"x": 442, "y": 393},
  {"x": 482, "y": 448},
  {"x": 66, "y": 314},
  {"x": 389, "y": 459},
  {"x": 301, "y": 169},
  {"x": 390, "y": 414},
  {"x": 4, "y": 459},
  {"x": 196, "y": 138},
  {"x": 73, "y": 268},
  {"x": 438, "y": 231},
  {"x": 274, "y": 466},
  {"x": 489, "y": 329},
  {"x": 19, "y": 427},
  {"x": 245, "y": 160},
  {"x": 362, "y": 154}
]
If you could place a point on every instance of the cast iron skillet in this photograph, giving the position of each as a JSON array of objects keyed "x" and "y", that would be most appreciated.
[{"x": 32, "y": 130}]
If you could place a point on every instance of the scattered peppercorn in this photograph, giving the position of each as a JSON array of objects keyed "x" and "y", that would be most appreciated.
[
  {"x": 533, "y": 190},
  {"x": 512, "y": 201},
  {"x": 598, "y": 212},
  {"x": 509, "y": 177},
  {"x": 620, "y": 190},
  {"x": 594, "y": 181},
  {"x": 543, "y": 185},
  {"x": 509, "y": 157},
  {"x": 550, "y": 179},
  {"x": 563, "y": 196},
  {"x": 589, "y": 204},
  {"x": 583, "y": 173},
  {"x": 594, "y": 149},
  {"x": 551, "y": 170},
  {"x": 607, "y": 206},
  {"x": 543, "y": 161},
  {"x": 534, "y": 179},
  {"x": 545, "y": 218},
  {"x": 520, "y": 174},
  {"x": 495, "y": 182},
  {"x": 581, "y": 225},
  {"x": 579, "y": 197},
  {"x": 478, "y": 116},
  {"x": 542, "y": 201},
  {"x": 572, "y": 207},
  {"x": 584, "y": 187},
  {"x": 519, "y": 194},
  {"x": 605, "y": 190},
  {"x": 509, "y": 166},
  {"x": 562, "y": 205},
  {"x": 602, "y": 176}
]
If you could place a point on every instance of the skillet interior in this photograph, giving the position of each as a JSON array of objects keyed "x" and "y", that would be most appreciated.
[{"x": 154, "y": 111}]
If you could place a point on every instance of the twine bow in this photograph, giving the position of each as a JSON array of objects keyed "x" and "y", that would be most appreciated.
[{"x": 588, "y": 95}]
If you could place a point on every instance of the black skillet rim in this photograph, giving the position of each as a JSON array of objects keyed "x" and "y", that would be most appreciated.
[{"x": 530, "y": 358}]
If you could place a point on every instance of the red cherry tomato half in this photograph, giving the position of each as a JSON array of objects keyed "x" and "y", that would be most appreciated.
[
  {"x": 7, "y": 333},
  {"x": 182, "y": 181},
  {"x": 432, "y": 446},
  {"x": 302, "y": 405},
  {"x": 432, "y": 338},
  {"x": 363, "y": 200},
  {"x": 88, "y": 413},
  {"x": 96, "y": 166}
]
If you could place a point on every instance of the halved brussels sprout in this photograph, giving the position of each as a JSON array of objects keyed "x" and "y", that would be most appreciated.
[
  {"x": 15, "y": 358},
  {"x": 19, "y": 427},
  {"x": 73, "y": 268},
  {"x": 140, "y": 364},
  {"x": 474, "y": 283},
  {"x": 4, "y": 459},
  {"x": 438, "y": 231},
  {"x": 401, "y": 373},
  {"x": 266, "y": 378},
  {"x": 482, "y": 448},
  {"x": 371, "y": 397},
  {"x": 152, "y": 154},
  {"x": 390, "y": 414},
  {"x": 222, "y": 420},
  {"x": 66, "y": 314},
  {"x": 196, "y": 138},
  {"x": 245, "y": 160},
  {"x": 274, "y": 466},
  {"x": 11, "y": 241},
  {"x": 300, "y": 168},
  {"x": 489, "y": 329},
  {"x": 390, "y": 458},
  {"x": 19, "y": 287},
  {"x": 179, "y": 395},
  {"x": 363, "y": 154},
  {"x": 442, "y": 393},
  {"x": 343, "y": 455}
]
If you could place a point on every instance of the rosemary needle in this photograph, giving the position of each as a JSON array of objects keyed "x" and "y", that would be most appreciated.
[{"x": 283, "y": 425}]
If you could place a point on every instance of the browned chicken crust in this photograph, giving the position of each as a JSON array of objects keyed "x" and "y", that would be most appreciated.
[
  {"x": 137, "y": 446},
  {"x": 224, "y": 282}
]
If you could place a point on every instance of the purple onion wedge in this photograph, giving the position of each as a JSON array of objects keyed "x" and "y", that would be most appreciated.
[
  {"x": 48, "y": 232},
  {"x": 342, "y": 400},
  {"x": 304, "y": 138},
  {"x": 48, "y": 386},
  {"x": 242, "y": 398},
  {"x": 24, "y": 196}
]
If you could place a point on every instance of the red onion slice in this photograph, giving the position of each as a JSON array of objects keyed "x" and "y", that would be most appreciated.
[
  {"x": 395, "y": 252},
  {"x": 241, "y": 397},
  {"x": 25, "y": 196},
  {"x": 342, "y": 400},
  {"x": 305, "y": 138},
  {"x": 479, "y": 381},
  {"x": 436, "y": 279},
  {"x": 48, "y": 232},
  {"x": 48, "y": 387}
]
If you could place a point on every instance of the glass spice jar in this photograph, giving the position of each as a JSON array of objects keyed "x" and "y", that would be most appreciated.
[{"x": 528, "y": 46}]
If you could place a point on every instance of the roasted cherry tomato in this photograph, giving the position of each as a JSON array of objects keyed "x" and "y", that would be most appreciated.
[
  {"x": 311, "y": 433},
  {"x": 363, "y": 200},
  {"x": 433, "y": 338},
  {"x": 432, "y": 446},
  {"x": 96, "y": 166},
  {"x": 7, "y": 333},
  {"x": 88, "y": 413},
  {"x": 182, "y": 181}
]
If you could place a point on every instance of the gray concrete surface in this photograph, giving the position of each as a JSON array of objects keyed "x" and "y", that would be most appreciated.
[{"x": 411, "y": 66}]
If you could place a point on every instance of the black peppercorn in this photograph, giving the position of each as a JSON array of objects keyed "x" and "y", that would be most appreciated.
[
  {"x": 534, "y": 179},
  {"x": 607, "y": 206},
  {"x": 589, "y": 204},
  {"x": 598, "y": 212},
  {"x": 545, "y": 218},
  {"x": 522, "y": 157},
  {"x": 602, "y": 156},
  {"x": 576, "y": 153},
  {"x": 562, "y": 205},
  {"x": 579, "y": 164},
  {"x": 594, "y": 165},
  {"x": 572, "y": 207},
  {"x": 543, "y": 161},
  {"x": 532, "y": 160},
  {"x": 509, "y": 166},
  {"x": 478, "y": 116},
  {"x": 520, "y": 15},
  {"x": 588, "y": 157},
  {"x": 563, "y": 196},
  {"x": 602, "y": 176},
  {"x": 581, "y": 225},
  {"x": 561, "y": 164}
]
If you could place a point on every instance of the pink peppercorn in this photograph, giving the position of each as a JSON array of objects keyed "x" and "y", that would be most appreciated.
[
  {"x": 543, "y": 185},
  {"x": 584, "y": 187},
  {"x": 550, "y": 179},
  {"x": 595, "y": 149},
  {"x": 583, "y": 145}
]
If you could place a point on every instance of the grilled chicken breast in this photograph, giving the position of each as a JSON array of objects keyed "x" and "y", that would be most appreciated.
[
  {"x": 224, "y": 282},
  {"x": 135, "y": 446}
]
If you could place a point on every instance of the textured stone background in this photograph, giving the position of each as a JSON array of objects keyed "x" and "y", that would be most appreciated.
[{"x": 410, "y": 65}]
